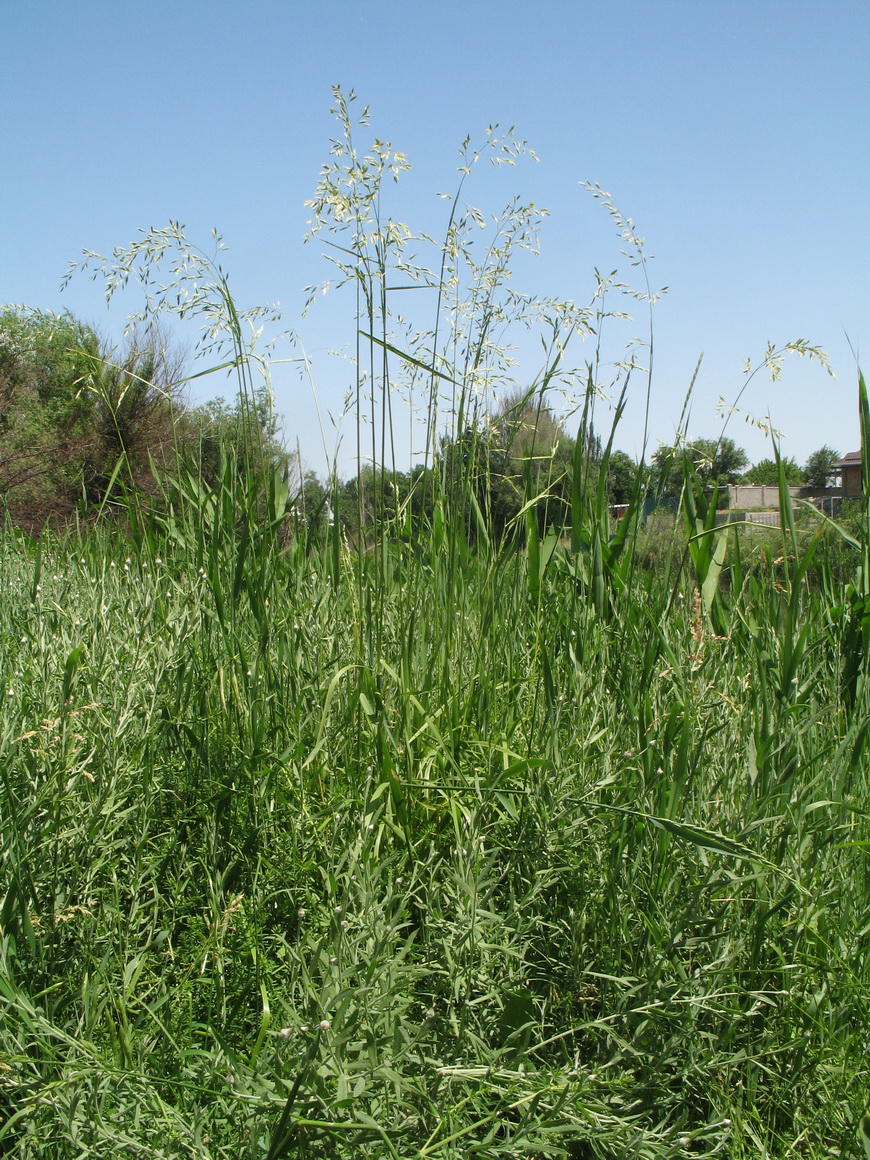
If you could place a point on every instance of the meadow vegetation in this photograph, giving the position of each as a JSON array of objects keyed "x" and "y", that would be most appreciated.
[{"x": 481, "y": 829}]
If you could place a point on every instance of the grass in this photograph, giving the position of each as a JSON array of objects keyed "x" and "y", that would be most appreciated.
[{"x": 440, "y": 845}]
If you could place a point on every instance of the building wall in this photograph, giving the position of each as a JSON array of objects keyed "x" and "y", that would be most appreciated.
[
  {"x": 749, "y": 496},
  {"x": 851, "y": 479}
]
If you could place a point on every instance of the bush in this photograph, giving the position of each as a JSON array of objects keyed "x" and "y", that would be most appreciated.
[
  {"x": 80, "y": 421},
  {"x": 48, "y": 439}
]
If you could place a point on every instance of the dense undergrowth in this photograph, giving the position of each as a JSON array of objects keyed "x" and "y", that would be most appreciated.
[
  {"x": 555, "y": 878},
  {"x": 443, "y": 844}
]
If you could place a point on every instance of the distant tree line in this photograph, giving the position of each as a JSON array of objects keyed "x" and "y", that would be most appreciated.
[
  {"x": 521, "y": 458},
  {"x": 83, "y": 423},
  {"x": 525, "y": 456},
  {"x": 722, "y": 461}
]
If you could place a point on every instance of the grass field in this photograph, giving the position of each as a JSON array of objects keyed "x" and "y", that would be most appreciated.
[
  {"x": 427, "y": 855},
  {"x": 438, "y": 844}
]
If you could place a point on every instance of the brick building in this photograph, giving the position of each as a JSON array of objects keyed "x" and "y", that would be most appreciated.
[{"x": 849, "y": 468}]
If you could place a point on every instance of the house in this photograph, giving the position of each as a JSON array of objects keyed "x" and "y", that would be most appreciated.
[{"x": 849, "y": 468}]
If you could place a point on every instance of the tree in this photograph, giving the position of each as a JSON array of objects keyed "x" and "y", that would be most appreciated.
[
  {"x": 78, "y": 417},
  {"x": 249, "y": 431},
  {"x": 311, "y": 508},
  {"x": 819, "y": 468},
  {"x": 526, "y": 427},
  {"x": 712, "y": 460},
  {"x": 765, "y": 472},
  {"x": 531, "y": 452},
  {"x": 621, "y": 477},
  {"x": 519, "y": 446},
  {"x": 47, "y": 415},
  {"x": 396, "y": 501},
  {"x": 140, "y": 419}
]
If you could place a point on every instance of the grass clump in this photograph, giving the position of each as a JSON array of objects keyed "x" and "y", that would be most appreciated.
[{"x": 484, "y": 839}]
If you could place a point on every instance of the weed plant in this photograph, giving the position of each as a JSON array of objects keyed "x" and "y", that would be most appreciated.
[{"x": 440, "y": 845}]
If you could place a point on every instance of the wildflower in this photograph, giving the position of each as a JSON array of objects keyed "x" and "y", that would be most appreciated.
[
  {"x": 339, "y": 909},
  {"x": 324, "y": 1024},
  {"x": 284, "y": 1033},
  {"x": 300, "y": 913},
  {"x": 685, "y": 1142},
  {"x": 344, "y": 924},
  {"x": 430, "y": 1014}
]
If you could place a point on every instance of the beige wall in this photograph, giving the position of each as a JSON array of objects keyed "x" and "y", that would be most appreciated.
[{"x": 767, "y": 495}]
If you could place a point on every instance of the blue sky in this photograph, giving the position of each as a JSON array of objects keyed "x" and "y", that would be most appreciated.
[{"x": 734, "y": 135}]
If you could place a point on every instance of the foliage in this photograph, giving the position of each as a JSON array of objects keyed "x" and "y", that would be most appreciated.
[
  {"x": 250, "y": 432},
  {"x": 712, "y": 460},
  {"x": 82, "y": 423},
  {"x": 47, "y": 415},
  {"x": 140, "y": 417},
  {"x": 393, "y": 502},
  {"x": 622, "y": 477},
  {"x": 819, "y": 468},
  {"x": 80, "y": 420},
  {"x": 766, "y": 472}
]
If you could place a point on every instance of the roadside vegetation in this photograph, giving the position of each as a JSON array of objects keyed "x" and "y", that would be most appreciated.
[{"x": 439, "y": 813}]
